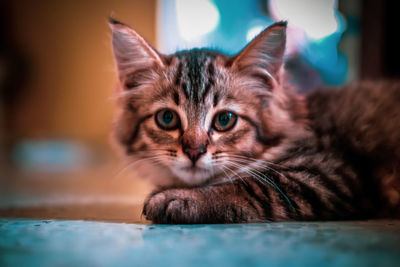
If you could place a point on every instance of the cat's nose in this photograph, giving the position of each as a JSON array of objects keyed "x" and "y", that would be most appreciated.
[
  {"x": 194, "y": 143},
  {"x": 194, "y": 153}
]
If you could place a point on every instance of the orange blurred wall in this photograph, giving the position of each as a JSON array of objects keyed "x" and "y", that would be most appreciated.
[{"x": 68, "y": 47}]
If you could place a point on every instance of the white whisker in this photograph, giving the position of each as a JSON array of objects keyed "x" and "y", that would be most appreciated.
[
  {"x": 261, "y": 177},
  {"x": 145, "y": 156},
  {"x": 232, "y": 171}
]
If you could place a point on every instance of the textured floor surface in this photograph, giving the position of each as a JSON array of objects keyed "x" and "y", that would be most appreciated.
[{"x": 27, "y": 242}]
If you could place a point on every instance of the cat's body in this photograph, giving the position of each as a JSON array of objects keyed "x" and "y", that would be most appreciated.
[{"x": 231, "y": 142}]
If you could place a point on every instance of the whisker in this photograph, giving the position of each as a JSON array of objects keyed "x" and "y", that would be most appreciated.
[
  {"x": 262, "y": 178},
  {"x": 258, "y": 160},
  {"x": 226, "y": 175},
  {"x": 259, "y": 163},
  {"x": 234, "y": 173},
  {"x": 155, "y": 159}
]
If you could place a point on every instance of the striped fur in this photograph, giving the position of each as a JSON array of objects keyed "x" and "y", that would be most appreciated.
[{"x": 330, "y": 155}]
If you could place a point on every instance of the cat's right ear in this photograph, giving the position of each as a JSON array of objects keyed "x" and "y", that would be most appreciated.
[{"x": 133, "y": 54}]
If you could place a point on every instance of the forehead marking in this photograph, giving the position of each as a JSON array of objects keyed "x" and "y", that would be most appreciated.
[
  {"x": 216, "y": 99},
  {"x": 178, "y": 74},
  {"x": 176, "y": 98},
  {"x": 197, "y": 74},
  {"x": 211, "y": 81}
]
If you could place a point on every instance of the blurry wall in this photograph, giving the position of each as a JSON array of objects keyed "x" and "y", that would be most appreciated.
[
  {"x": 68, "y": 73},
  {"x": 56, "y": 84}
]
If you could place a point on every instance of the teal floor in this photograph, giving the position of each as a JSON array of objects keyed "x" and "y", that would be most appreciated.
[{"x": 25, "y": 242}]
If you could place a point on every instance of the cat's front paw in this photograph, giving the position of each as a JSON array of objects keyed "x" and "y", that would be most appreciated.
[{"x": 173, "y": 206}]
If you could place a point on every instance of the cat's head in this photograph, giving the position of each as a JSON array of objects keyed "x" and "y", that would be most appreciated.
[{"x": 198, "y": 115}]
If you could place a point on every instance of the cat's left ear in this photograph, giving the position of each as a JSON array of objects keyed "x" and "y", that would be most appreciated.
[
  {"x": 264, "y": 53},
  {"x": 131, "y": 51}
]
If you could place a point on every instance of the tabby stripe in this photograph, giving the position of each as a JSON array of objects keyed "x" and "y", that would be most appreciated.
[
  {"x": 235, "y": 137},
  {"x": 185, "y": 90},
  {"x": 266, "y": 193},
  {"x": 176, "y": 98},
  {"x": 250, "y": 203},
  {"x": 211, "y": 81},
  {"x": 339, "y": 210},
  {"x": 211, "y": 71},
  {"x": 265, "y": 205},
  {"x": 207, "y": 88},
  {"x": 216, "y": 99},
  {"x": 267, "y": 141},
  {"x": 291, "y": 207},
  {"x": 327, "y": 183},
  {"x": 348, "y": 180},
  {"x": 178, "y": 75},
  {"x": 135, "y": 133},
  {"x": 307, "y": 193}
]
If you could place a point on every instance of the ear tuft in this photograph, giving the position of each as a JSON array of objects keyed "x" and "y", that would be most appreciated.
[
  {"x": 280, "y": 23},
  {"x": 111, "y": 20}
]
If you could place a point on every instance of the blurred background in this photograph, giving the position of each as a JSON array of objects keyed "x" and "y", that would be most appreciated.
[{"x": 57, "y": 80}]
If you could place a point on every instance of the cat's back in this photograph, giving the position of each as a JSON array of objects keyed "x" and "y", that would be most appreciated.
[
  {"x": 363, "y": 116},
  {"x": 361, "y": 122}
]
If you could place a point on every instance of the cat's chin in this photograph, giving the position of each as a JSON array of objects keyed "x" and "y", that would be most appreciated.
[
  {"x": 192, "y": 175},
  {"x": 162, "y": 175}
]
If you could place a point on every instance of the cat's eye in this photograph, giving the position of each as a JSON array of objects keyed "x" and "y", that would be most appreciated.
[
  {"x": 167, "y": 119},
  {"x": 224, "y": 121}
]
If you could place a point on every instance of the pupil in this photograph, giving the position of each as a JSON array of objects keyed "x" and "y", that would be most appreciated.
[
  {"x": 167, "y": 117},
  {"x": 224, "y": 118}
]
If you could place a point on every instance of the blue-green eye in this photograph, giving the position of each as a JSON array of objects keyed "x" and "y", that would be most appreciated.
[
  {"x": 167, "y": 119},
  {"x": 224, "y": 121}
]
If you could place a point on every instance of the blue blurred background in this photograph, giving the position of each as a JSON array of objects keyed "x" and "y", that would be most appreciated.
[
  {"x": 315, "y": 30},
  {"x": 57, "y": 77}
]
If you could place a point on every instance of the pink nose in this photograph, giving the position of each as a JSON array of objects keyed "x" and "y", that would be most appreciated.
[{"x": 194, "y": 153}]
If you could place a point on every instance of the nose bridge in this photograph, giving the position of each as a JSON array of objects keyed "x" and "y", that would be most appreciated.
[{"x": 194, "y": 137}]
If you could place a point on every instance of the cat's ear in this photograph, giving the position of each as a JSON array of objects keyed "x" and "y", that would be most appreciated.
[
  {"x": 264, "y": 52},
  {"x": 133, "y": 54}
]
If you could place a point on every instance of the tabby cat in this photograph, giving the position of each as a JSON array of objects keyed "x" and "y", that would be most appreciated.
[{"x": 228, "y": 141}]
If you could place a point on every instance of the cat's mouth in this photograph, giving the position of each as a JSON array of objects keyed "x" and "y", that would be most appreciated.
[
  {"x": 194, "y": 169},
  {"x": 193, "y": 175}
]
